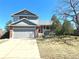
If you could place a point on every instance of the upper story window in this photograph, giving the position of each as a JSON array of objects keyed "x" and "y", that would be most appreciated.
[{"x": 22, "y": 17}]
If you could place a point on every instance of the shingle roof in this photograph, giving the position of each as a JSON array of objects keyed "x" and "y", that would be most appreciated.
[
  {"x": 46, "y": 22},
  {"x": 24, "y": 20},
  {"x": 25, "y": 12}
]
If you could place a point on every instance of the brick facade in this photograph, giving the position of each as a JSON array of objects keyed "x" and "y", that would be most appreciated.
[{"x": 10, "y": 31}]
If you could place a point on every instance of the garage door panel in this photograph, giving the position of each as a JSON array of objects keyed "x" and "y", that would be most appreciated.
[{"x": 19, "y": 33}]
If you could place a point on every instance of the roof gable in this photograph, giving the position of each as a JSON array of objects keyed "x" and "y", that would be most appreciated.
[
  {"x": 24, "y": 12},
  {"x": 23, "y": 22}
]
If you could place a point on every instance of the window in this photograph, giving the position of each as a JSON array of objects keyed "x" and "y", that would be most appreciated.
[{"x": 23, "y": 17}]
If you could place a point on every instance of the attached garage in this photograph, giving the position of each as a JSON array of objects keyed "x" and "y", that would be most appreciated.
[
  {"x": 23, "y": 33},
  {"x": 22, "y": 29}
]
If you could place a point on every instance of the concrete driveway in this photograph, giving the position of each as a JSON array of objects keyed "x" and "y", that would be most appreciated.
[{"x": 19, "y": 49}]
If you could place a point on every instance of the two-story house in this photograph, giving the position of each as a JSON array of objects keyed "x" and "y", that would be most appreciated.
[{"x": 25, "y": 25}]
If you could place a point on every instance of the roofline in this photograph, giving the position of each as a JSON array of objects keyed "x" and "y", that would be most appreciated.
[
  {"x": 24, "y": 26},
  {"x": 25, "y": 15},
  {"x": 46, "y": 24},
  {"x": 21, "y": 20},
  {"x": 17, "y": 12},
  {"x": 20, "y": 11}
]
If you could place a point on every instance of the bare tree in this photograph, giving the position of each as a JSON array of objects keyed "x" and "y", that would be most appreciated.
[{"x": 71, "y": 9}]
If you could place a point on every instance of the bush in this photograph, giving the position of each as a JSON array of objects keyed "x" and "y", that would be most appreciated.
[{"x": 76, "y": 33}]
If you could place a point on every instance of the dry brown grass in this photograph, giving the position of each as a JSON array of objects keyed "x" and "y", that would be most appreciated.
[{"x": 53, "y": 49}]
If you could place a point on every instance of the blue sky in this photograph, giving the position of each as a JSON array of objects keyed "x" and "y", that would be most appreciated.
[{"x": 43, "y": 8}]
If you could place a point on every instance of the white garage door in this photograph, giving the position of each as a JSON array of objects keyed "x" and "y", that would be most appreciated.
[{"x": 19, "y": 33}]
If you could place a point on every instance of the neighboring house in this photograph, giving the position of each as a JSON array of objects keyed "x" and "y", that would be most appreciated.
[{"x": 25, "y": 25}]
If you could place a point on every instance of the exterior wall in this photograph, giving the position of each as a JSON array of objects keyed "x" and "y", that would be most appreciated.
[{"x": 15, "y": 18}]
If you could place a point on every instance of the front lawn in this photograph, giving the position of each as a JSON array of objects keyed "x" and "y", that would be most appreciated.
[{"x": 57, "y": 48}]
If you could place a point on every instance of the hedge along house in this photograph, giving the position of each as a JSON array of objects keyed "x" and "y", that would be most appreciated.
[{"x": 25, "y": 25}]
